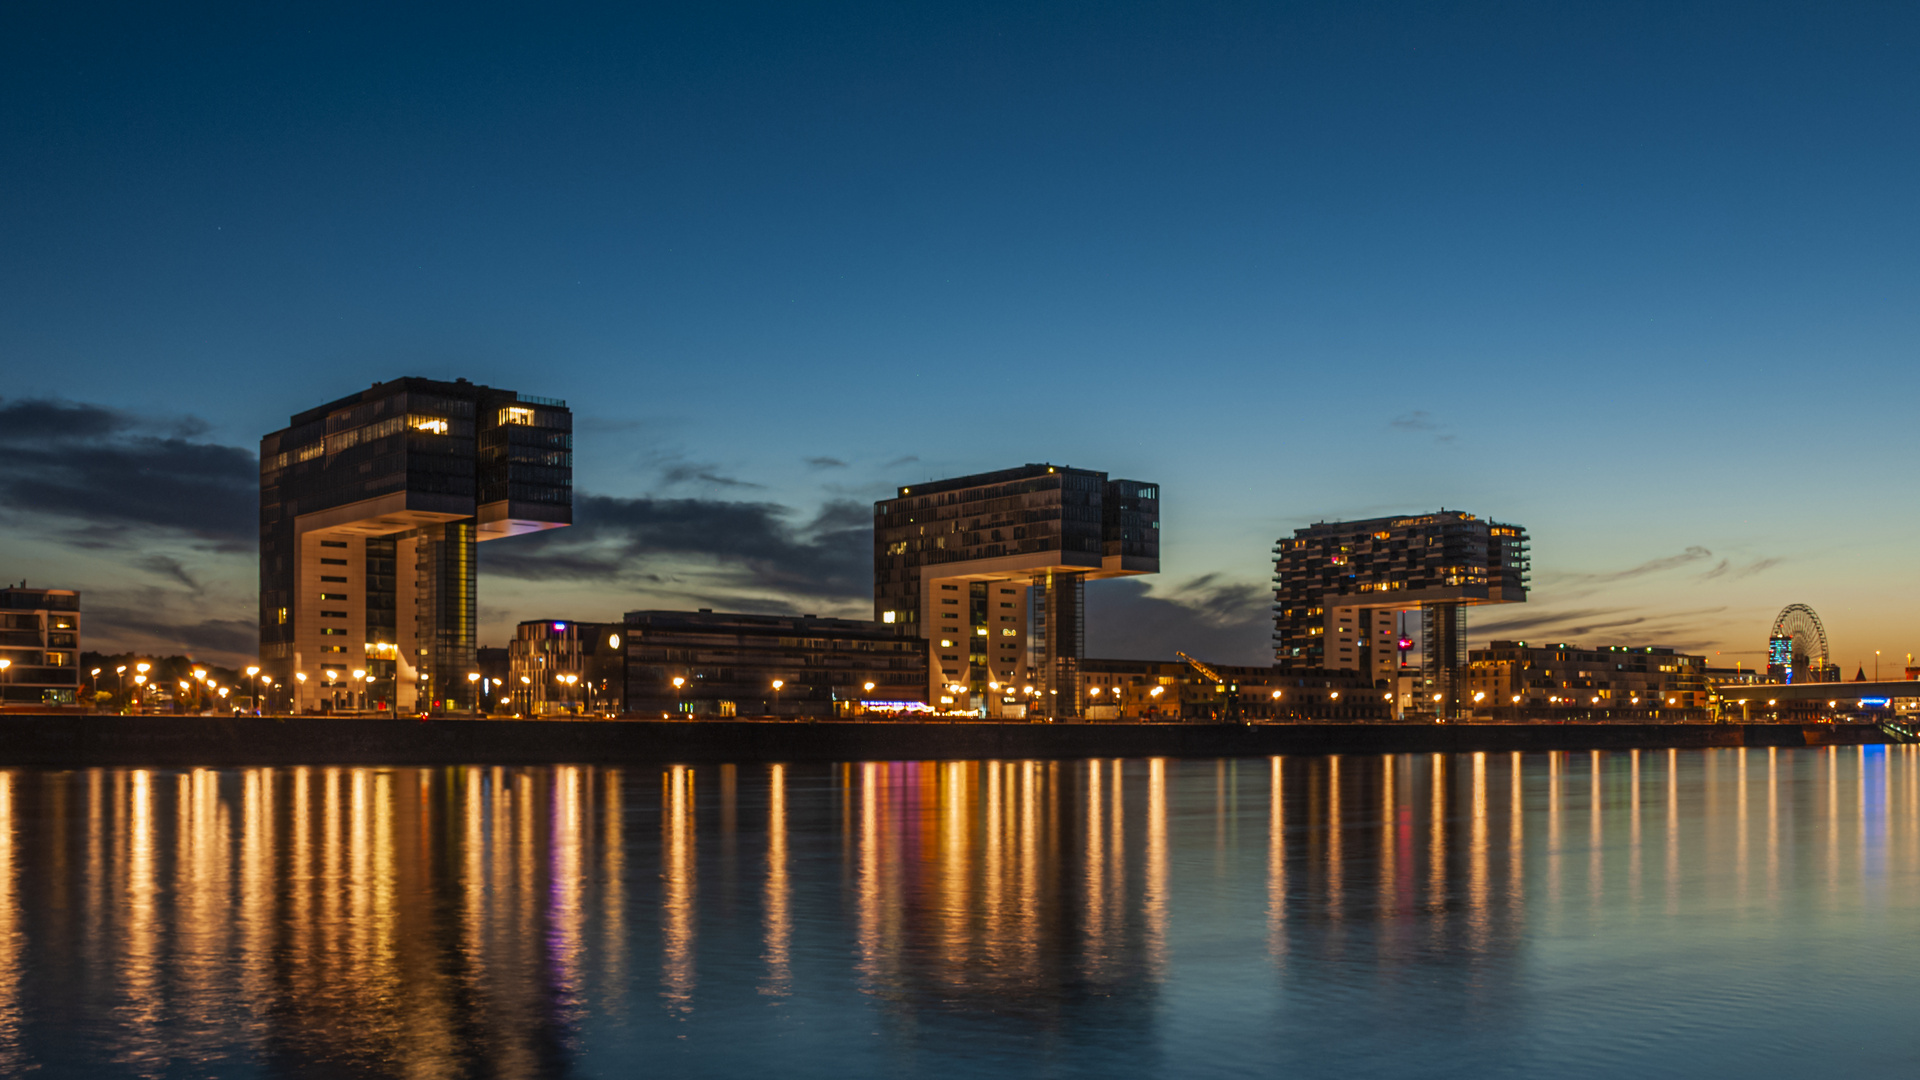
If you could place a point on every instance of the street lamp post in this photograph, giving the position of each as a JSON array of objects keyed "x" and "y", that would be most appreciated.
[
  {"x": 6, "y": 679},
  {"x": 613, "y": 642},
  {"x": 473, "y": 677},
  {"x": 777, "y": 684},
  {"x": 866, "y": 689},
  {"x": 678, "y": 682}
]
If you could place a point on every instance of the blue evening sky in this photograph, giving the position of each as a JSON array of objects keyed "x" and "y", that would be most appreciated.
[{"x": 1640, "y": 277}]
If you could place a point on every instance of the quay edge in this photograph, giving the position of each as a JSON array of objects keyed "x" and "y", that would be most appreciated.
[{"x": 70, "y": 741}]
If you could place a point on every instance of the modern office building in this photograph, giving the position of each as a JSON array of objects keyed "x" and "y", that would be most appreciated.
[
  {"x": 557, "y": 667},
  {"x": 989, "y": 573},
  {"x": 1340, "y": 589},
  {"x": 40, "y": 641},
  {"x": 1514, "y": 680},
  {"x": 707, "y": 664},
  {"x": 1175, "y": 691},
  {"x": 370, "y": 509}
]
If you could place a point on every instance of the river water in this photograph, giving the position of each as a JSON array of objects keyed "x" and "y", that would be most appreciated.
[{"x": 1750, "y": 913}]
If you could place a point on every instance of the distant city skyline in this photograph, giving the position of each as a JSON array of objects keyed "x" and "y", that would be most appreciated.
[{"x": 1638, "y": 278}]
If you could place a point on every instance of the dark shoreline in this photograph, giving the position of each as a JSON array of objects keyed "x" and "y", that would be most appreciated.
[{"x": 78, "y": 741}]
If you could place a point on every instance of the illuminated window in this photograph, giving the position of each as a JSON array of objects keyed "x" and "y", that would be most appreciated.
[
  {"x": 56, "y": 659},
  {"x": 333, "y": 596},
  {"x": 1007, "y": 631},
  {"x": 886, "y": 616},
  {"x": 945, "y": 643},
  {"x": 280, "y": 615},
  {"x": 432, "y": 425},
  {"x": 515, "y": 414}
]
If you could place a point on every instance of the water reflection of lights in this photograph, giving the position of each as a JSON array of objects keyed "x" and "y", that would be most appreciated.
[
  {"x": 779, "y": 921},
  {"x": 678, "y": 887},
  {"x": 12, "y": 947},
  {"x": 459, "y": 920}
]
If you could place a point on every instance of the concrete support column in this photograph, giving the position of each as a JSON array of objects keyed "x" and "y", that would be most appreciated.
[
  {"x": 1059, "y": 633},
  {"x": 1443, "y": 629}
]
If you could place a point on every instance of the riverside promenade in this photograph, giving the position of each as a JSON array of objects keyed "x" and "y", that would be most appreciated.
[{"x": 84, "y": 740}]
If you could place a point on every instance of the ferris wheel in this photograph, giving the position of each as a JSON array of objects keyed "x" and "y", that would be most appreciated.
[{"x": 1798, "y": 641}]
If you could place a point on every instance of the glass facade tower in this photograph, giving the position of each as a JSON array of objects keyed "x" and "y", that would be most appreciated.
[
  {"x": 1338, "y": 589},
  {"x": 370, "y": 510},
  {"x": 990, "y": 571}
]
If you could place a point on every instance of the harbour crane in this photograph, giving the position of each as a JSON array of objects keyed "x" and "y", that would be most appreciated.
[{"x": 1230, "y": 713}]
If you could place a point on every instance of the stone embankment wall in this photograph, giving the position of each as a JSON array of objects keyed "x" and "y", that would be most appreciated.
[{"x": 174, "y": 741}]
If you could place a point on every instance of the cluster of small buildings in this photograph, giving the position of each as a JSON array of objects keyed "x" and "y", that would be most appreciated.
[{"x": 372, "y": 507}]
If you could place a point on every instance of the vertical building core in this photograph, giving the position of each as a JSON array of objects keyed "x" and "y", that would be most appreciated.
[
  {"x": 990, "y": 571},
  {"x": 370, "y": 509}
]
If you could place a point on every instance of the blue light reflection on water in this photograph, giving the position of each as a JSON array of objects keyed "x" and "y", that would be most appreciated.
[{"x": 1656, "y": 913}]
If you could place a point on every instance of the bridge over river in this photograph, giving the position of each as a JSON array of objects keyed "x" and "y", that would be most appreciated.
[{"x": 1755, "y": 702}]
